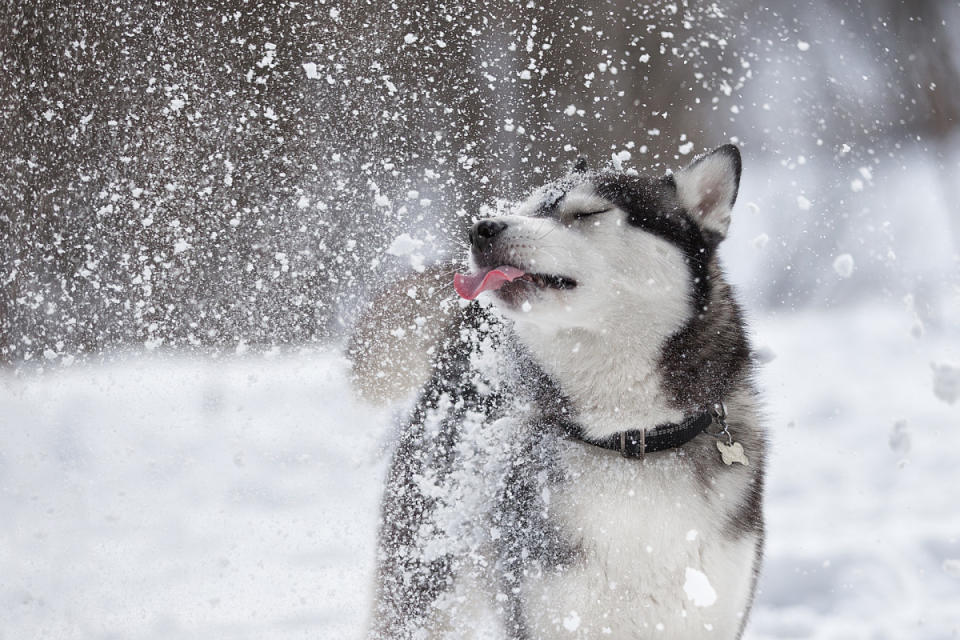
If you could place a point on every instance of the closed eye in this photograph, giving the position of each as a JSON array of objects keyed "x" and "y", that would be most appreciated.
[{"x": 586, "y": 214}]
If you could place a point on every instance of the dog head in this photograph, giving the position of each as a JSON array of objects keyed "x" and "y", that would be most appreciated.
[{"x": 597, "y": 249}]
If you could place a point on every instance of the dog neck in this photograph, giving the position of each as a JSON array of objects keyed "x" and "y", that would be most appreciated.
[{"x": 612, "y": 381}]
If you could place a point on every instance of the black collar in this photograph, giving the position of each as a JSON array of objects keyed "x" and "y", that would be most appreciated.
[{"x": 638, "y": 442}]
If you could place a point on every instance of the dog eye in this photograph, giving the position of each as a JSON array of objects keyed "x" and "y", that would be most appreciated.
[{"x": 586, "y": 214}]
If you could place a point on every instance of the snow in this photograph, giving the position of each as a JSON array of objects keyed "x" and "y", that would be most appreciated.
[
  {"x": 843, "y": 265},
  {"x": 761, "y": 241},
  {"x": 571, "y": 622},
  {"x": 952, "y": 567},
  {"x": 698, "y": 588},
  {"x": 171, "y": 498},
  {"x": 403, "y": 245},
  {"x": 166, "y": 497},
  {"x": 856, "y": 542},
  {"x": 900, "y": 438},
  {"x": 618, "y": 158},
  {"x": 946, "y": 382}
]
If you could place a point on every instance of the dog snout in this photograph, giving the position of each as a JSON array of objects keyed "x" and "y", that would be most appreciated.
[{"x": 483, "y": 233}]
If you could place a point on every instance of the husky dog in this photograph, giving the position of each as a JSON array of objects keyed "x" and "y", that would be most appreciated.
[{"x": 587, "y": 458}]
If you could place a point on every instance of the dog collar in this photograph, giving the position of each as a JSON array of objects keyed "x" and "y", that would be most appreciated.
[{"x": 639, "y": 442}]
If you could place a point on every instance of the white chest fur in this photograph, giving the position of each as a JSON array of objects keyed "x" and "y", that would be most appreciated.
[
  {"x": 613, "y": 385},
  {"x": 652, "y": 553}
]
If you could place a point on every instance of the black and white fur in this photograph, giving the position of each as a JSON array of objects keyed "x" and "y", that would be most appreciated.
[{"x": 496, "y": 522}]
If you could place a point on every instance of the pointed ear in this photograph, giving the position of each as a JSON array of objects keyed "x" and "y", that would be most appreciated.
[{"x": 708, "y": 186}]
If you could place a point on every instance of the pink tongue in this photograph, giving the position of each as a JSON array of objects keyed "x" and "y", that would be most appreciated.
[{"x": 471, "y": 285}]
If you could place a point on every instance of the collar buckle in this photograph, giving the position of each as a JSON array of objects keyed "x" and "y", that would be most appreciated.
[{"x": 640, "y": 451}]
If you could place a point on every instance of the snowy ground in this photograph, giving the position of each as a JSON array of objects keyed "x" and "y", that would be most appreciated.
[{"x": 170, "y": 498}]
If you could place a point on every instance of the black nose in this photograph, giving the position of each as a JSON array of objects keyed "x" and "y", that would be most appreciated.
[{"x": 483, "y": 233}]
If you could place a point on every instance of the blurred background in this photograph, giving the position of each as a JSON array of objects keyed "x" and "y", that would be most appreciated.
[
  {"x": 201, "y": 175},
  {"x": 197, "y": 199}
]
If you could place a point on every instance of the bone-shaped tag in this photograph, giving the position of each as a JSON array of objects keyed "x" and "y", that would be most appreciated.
[{"x": 732, "y": 453}]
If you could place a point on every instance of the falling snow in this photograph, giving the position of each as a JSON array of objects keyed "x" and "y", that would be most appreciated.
[
  {"x": 900, "y": 438},
  {"x": 199, "y": 199},
  {"x": 571, "y": 622},
  {"x": 843, "y": 265},
  {"x": 698, "y": 588},
  {"x": 404, "y": 245},
  {"x": 946, "y": 382}
]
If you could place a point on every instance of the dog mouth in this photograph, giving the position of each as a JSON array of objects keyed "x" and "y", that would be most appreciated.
[{"x": 471, "y": 285}]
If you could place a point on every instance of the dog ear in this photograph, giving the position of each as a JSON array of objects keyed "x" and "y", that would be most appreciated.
[{"x": 708, "y": 187}]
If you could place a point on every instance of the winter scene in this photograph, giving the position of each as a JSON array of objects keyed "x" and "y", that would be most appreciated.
[{"x": 510, "y": 320}]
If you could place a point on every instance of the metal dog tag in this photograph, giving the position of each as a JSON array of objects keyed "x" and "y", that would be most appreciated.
[{"x": 732, "y": 453}]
